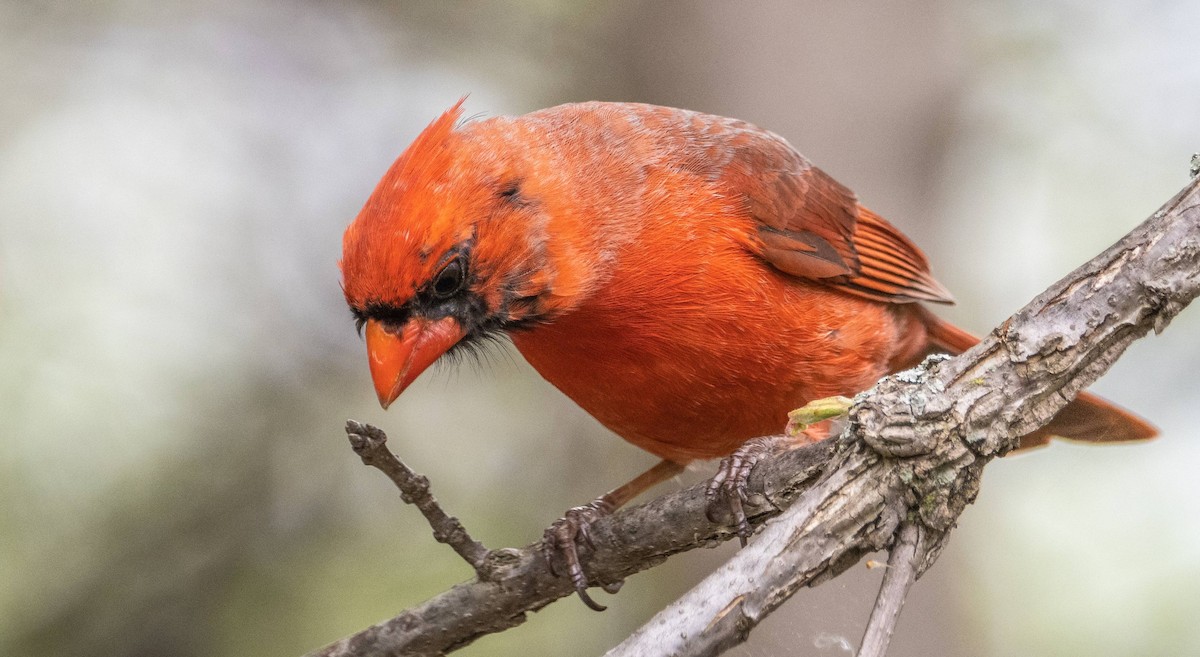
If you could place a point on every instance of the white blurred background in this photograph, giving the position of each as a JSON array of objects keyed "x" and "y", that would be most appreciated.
[{"x": 176, "y": 361}]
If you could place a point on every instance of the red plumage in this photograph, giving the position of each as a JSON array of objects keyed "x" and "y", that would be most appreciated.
[{"x": 686, "y": 278}]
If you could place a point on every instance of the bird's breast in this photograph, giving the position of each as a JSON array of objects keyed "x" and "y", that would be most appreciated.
[{"x": 690, "y": 359}]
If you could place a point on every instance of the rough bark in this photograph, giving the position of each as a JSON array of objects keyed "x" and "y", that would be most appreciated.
[{"x": 912, "y": 455}]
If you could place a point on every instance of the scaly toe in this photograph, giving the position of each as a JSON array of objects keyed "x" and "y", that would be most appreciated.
[{"x": 563, "y": 539}]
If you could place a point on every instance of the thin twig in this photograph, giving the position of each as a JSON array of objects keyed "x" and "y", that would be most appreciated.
[
  {"x": 370, "y": 443},
  {"x": 899, "y": 576}
]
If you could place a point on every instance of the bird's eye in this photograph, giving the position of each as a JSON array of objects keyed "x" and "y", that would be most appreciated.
[{"x": 450, "y": 280}]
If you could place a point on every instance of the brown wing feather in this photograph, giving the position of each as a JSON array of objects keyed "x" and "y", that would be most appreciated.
[
  {"x": 806, "y": 218},
  {"x": 892, "y": 267},
  {"x": 808, "y": 224},
  {"x": 811, "y": 226}
]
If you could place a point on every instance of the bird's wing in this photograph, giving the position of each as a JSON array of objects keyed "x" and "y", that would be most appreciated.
[{"x": 810, "y": 226}]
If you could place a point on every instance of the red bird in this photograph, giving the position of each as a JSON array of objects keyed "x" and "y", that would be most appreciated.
[{"x": 685, "y": 278}]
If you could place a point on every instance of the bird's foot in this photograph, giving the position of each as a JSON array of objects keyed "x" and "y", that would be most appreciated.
[
  {"x": 728, "y": 490},
  {"x": 564, "y": 538},
  {"x": 816, "y": 411}
]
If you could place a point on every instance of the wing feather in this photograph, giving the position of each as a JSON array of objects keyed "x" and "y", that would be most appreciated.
[
  {"x": 812, "y": 227},
  {"x": 892, "y": 265},
  {"x": 807, "y": 224}
]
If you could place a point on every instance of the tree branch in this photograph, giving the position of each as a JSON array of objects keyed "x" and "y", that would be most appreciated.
[
  {"x": 912, "y": 455},
  {"x": 519, "y": 580},
  {"x": 897, "y": 579},
  {"x": 370, "y": 443}
]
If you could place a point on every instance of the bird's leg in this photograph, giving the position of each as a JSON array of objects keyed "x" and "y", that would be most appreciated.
[
  {"x": 728, "y": 489},
  {"x": 568, "y": 532}
]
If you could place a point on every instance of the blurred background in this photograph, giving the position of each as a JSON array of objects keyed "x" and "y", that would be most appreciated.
[{"x": 176, "y": 361}]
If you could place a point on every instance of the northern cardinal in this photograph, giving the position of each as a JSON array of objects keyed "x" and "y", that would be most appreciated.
[{"x": 685, "y": 278}]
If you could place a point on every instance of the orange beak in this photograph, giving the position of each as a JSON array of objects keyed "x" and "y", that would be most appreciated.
[{"x": 397, "y": 359}]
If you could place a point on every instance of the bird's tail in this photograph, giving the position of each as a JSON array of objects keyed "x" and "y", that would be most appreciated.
[{"x": 1087, "y": 418}]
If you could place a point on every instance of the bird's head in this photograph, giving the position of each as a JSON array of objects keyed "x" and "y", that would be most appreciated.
[{"x": 453, "y": 248}]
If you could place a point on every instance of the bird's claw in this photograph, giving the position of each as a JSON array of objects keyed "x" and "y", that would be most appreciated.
[
  {"x": 564, "y": 537},
  {"x": 728, "y": 490}
]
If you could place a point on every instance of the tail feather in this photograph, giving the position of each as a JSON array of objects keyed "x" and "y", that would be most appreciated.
[
  {"x": 1087, "y": 418},
  {"x": 1092, "y": 419}
]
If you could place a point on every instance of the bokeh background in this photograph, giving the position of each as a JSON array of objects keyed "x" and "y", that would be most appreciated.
[{"x": 176, "y": 361}]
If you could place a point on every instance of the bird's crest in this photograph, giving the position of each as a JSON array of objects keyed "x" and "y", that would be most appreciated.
[
  {"x": 428, "y": 157},
  {"x": 402, "y": 230}
]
